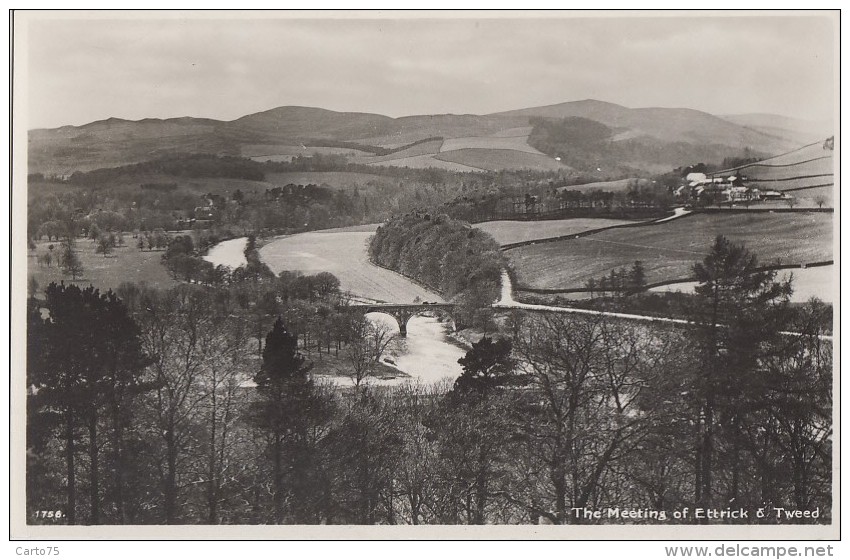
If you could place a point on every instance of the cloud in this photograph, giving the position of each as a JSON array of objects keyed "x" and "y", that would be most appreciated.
[{"x": 83, "y": 70}]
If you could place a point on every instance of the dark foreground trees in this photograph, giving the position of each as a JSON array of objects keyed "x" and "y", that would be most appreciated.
[
  {"x": 158, "y": 409},
  {"x": 86, "y": 372}
]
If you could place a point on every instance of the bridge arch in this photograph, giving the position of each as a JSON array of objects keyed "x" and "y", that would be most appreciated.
[
  {"x": 403, "y": 312},
  {"x": 400, "y": 320}
]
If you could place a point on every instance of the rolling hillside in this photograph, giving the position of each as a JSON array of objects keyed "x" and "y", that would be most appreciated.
[
  {"x": 647, "y": 140},
  {"x": 795, "y": 130},
  {"x": 807, "y": 172},
  {"x": 669, "y": 125},
  {"x": 668, "y": 251}
]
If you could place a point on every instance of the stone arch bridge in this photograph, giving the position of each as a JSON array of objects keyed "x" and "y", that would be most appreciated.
[{"x": 402, "y": 312}]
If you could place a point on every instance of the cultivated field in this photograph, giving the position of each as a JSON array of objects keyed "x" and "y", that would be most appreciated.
[
  {"x": 472, "y": 153},
  {"x": 669, "y": 250},
  {"x": 506, "y": 232},
  {"x": 517, "y": 143},
  {"x": 495, "y": 160},
  {"x": 425, "y": 148},
  {"x": 342, "y": 253},
  {"x": 125, "y": 264}
]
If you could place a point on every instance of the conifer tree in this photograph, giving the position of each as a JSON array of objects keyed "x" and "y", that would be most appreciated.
[
  {"x": 739, "y": 314},
  {"x": 288, "y": 408}
]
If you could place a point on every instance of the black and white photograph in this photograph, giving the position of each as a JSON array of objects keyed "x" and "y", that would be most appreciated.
[{"x": 429, "y": 274}]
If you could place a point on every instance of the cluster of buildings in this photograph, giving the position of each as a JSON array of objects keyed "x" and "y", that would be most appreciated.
[{"x": 732, "y": 188}]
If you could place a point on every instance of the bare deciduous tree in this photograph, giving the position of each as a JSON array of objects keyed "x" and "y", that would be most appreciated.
[{"x": 368, "y": 341}]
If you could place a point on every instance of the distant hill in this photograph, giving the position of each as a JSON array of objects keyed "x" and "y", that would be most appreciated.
[
  {"x": 669, "y": 125},
  {"x": 635, "y": 140},
  {"x": 798, "y": 131}
]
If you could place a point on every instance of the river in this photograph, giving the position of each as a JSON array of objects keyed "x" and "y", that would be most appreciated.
[
  {"x": 426, "y": 355},
  {"x": 229, "y": 253}
]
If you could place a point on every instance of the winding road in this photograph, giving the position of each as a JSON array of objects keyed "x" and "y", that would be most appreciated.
[{"x": 507, "y": 302}]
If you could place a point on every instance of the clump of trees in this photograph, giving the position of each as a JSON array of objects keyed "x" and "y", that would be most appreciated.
[
  {"x": 154, "y": 240},
  {"x": 620, "y": 282},
  {"x": 446, "y": 255}
]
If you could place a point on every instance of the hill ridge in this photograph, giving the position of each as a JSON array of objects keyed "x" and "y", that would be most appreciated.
[{"x": 115, "y": 141}]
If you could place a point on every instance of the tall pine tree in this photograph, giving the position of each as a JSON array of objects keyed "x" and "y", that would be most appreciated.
[
  {"x": 288, "y": 409},
  {"x": 739, "y": 314}
]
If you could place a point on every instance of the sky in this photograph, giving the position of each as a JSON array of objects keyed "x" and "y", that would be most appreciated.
[{"x": 82, "y": 70}]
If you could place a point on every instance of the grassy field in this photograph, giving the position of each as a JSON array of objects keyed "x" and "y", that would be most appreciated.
[
  {"x": 505, "y": 232},
  {"x": 809, "y": 166},
  {"x": 812, "y": 151},
  {"x": 820, "y": 166},
  {"x": 425, "y": 148},
  {"x": 518, "y": 143},
  {"x": 808, "y": 283},
  {"x": 495, "y": 160},
  {"x": 425, "y": 161},
  {"x": 518, "y": 131},
  {"x": 668, "y": 251},
  {"x": 342, "y": 253},
  {"x": 261, "y": 151},
  {"x": 809, "y": 198},
  {"x": 804, "y": 174},
  {"x": 125, "y": 264}
]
